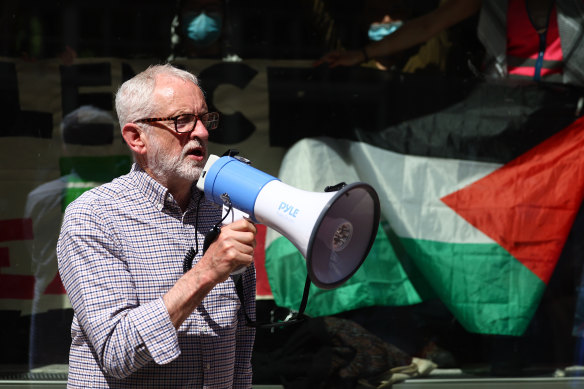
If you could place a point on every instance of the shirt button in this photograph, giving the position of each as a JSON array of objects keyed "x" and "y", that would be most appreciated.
[{"x": 207, "y": 366}]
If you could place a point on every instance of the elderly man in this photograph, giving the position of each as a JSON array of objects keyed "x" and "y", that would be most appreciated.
[{"x": 142, "y": 318}]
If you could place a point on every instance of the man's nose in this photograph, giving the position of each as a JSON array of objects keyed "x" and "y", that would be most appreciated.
[{"x": 200, "y": 131}]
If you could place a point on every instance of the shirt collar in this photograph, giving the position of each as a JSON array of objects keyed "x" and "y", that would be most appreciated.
[{"x": 154, "y": 191}]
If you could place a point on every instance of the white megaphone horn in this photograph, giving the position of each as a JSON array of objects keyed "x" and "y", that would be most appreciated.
[{"x": 334, "y": 231}]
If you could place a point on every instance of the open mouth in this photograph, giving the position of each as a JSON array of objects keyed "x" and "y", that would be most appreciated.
[{"x": 197, "y": 152}]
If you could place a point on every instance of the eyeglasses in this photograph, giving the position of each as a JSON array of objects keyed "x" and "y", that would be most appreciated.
[{"x": 186, "y": 122}]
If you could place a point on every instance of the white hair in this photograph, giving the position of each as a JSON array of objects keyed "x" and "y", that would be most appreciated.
[{"x": 134, "y": 98}]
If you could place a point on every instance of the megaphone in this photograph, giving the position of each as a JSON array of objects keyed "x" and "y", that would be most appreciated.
[{"x": 334, "y": 231}]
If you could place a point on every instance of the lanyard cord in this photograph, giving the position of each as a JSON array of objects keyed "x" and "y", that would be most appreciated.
[
  {"x": 209, "y": 238},
  {"x": 192, "y": 253}
]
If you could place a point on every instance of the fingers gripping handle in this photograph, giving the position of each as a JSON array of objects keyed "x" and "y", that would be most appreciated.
[{"x": 211, "y": 237}]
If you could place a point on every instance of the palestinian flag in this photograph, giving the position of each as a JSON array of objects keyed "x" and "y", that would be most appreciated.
[{"x": 477, "y": 200}]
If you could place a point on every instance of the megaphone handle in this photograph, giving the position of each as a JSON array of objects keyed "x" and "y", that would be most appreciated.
[{"x": 211, "y": 237}]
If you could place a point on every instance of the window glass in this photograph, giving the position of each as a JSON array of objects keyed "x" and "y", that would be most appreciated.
[{"x": 476, "y": 263}]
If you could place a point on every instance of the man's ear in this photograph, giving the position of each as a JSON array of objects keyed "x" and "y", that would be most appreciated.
[{"x": 134, "y": 137}]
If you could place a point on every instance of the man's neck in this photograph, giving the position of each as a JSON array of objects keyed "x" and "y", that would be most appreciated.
[
  {"x": 179, "y": 188},
  {"x": 181, "y": 191}
]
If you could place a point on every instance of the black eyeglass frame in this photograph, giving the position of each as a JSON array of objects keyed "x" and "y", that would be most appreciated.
[{"x": 210, "y": 121}]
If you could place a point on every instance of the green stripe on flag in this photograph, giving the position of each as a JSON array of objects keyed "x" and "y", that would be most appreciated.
[
  {"x": 487, "y": 289},
  {"x": 84, "y": 173},
  {"x": 381, "y": 280},
  {"x": 96, "y": 168}
]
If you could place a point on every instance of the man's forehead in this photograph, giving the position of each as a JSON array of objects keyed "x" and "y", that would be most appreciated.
[
  {"x": 168, "y": 83},
  {"x": 166, "y": 92},
  {"x": 174, "y": 96},
  {"x": 169, "y": 87}
]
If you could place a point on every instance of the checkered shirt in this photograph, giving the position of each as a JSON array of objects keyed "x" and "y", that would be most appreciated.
[{"x": 120, "y": 250}]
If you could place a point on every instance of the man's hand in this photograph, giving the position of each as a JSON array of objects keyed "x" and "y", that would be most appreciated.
[{"x": 233, "y": 248}]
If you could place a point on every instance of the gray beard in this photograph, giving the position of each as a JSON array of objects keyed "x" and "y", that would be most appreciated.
[{"x": 164, "y": 165}]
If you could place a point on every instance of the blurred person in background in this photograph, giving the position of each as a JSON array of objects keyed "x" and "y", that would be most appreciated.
[
  {"x": 535, "y": 40},
  {"x": 87, "y": 160},
  {"x": 201, "y": 29}
]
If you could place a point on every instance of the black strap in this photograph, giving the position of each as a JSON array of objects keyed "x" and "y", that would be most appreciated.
[{"x": 294, "y": 319}]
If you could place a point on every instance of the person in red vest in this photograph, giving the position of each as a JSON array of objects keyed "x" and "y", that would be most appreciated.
[{"x": 528, "y": 39}]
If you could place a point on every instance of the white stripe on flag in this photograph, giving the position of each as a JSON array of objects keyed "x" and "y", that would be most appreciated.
[
  {"x": 409, "y": 187},
  {"x": 83, "y": 185}
]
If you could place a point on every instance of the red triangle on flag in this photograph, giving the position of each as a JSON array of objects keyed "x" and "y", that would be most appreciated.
[
  {"x": 56, "y": 286},
  {"x": 528, "y": 206}
]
